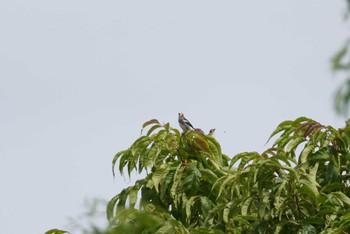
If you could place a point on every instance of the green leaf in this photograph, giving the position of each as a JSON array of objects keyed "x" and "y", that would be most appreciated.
[
  {"x": 311, "y": 188},
  {"x": 309, "y": 229},
  {"x": 206, "y": 204},
  {"x": 56, "y": 231},
  {"x": 341, "y": 196},
  {"x": 300, "y": 120},
  {"x": 246, "y": 205},
  {"x": 332, "y": 187},
  {"x": 149, "y": 132},
  {"x": 133, "y": 197},
  {"x": 115, "y": 160},
  {"x": 123, "y": 197},
  {"x": 192, "y": 180},
  {"x": 152, "y": 121},
  {"x": 245, "y": 158},
  {"x": 189, "y": 204},
  {"x": 309, "y": 181},
  {"x": 111, "y": 206},
  {"x": 124, "y": 159},
  {"x": 215, "y": 148},
  {"x": 208, "y": 175},
  {"x": 306, "y": 151},
  {"x": 332, "y": 173},
  {"x": 293, "y": 144},
  {"x": 320, "y": 155},
  {"x": 140, "y": 145},
  {"x": 230, "y": 179},
  {"x": 280, "y": 226},
  {"x": 281, "y": 127},
  {"x": 177, "y": 181},
  {"x": 226, "y": 212},
  {"x": 160, "y": 174}
]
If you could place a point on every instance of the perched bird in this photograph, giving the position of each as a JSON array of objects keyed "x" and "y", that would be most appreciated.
[
  {"x": 199, "y": 130},
  {"x": 212, "y": 132},
  {"x": 184, "y": 123}
]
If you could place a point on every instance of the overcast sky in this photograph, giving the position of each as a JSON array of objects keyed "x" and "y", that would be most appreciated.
[{"x": 78, "y": 79}]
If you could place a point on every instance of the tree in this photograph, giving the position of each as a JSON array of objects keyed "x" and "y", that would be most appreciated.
[{"x": 299, "y": 185}]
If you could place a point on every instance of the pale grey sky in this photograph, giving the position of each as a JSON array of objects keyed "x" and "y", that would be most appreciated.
[{"x": 78, "y": 79}]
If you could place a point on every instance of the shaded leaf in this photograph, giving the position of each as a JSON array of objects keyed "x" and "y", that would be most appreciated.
[{"x": 192, "y": 180}]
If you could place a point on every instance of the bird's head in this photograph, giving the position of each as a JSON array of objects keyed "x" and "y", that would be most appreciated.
[{"x": 212, "y": 132}]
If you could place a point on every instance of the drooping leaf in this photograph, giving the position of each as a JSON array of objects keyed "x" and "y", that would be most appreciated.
[
  {"x": 175, "y": 188},
  {"x": 246, "y": 205},
  {"x": 281, "y": 127},
  {"x": 208, "y": 175},
  {"x": 152, "y": 121},
  {"x": 133, "y": 197},
  {"x": 151, "y": 130},
  {"x": 160, "y": 174},
  {"x": 115, "y": 160},
  {"x": 226, "y": 212},
  {"x": 111, "y": 207},
  {"x": 309, "y": 188},
  {"x": 191, "y": 181},
  {"x": 294, "y": 143},
  {"x": 189, "y": 204},
  {"x": 56, "y": 231},
  {"x": 341, "y": 196},
  {"x": 306, "y": 151}
]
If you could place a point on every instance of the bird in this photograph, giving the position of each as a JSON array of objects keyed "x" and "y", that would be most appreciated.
[
  {"x": 199, "y": 130},
  {"x": 184, "y": 123},
  {"x": 211, "y": 132}
]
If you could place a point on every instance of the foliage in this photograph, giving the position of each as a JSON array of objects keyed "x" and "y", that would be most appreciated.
[
  {"x": 341, "y": 64},
  {"x": 56, "y": 231},
  {"x": 299, "y": 185}
]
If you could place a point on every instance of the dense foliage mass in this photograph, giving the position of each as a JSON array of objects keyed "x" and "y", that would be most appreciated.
[{"x": 299, "y": 185}]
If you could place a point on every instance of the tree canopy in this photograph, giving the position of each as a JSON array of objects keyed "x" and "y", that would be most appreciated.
[{"x": 298, "y": 185}]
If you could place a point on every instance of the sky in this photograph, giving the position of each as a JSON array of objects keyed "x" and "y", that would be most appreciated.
[{"x": 79, "y": 78}]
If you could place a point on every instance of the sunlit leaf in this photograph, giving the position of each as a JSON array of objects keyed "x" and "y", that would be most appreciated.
[
  {"x": 150, "y": 131},
  {"x": 226, "y": 212},
  {"x": 306, "y": 151},
  {"x": 159, "y": 174},
  {"x": 175, "y": 188},
  {"x": 342, "y": 197},
  {"x": 309, "y": 229},
  {"x": 246, "y": 205},
  {"x": 133, "y": 197},
  {"x": 294, "y": 143}
]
